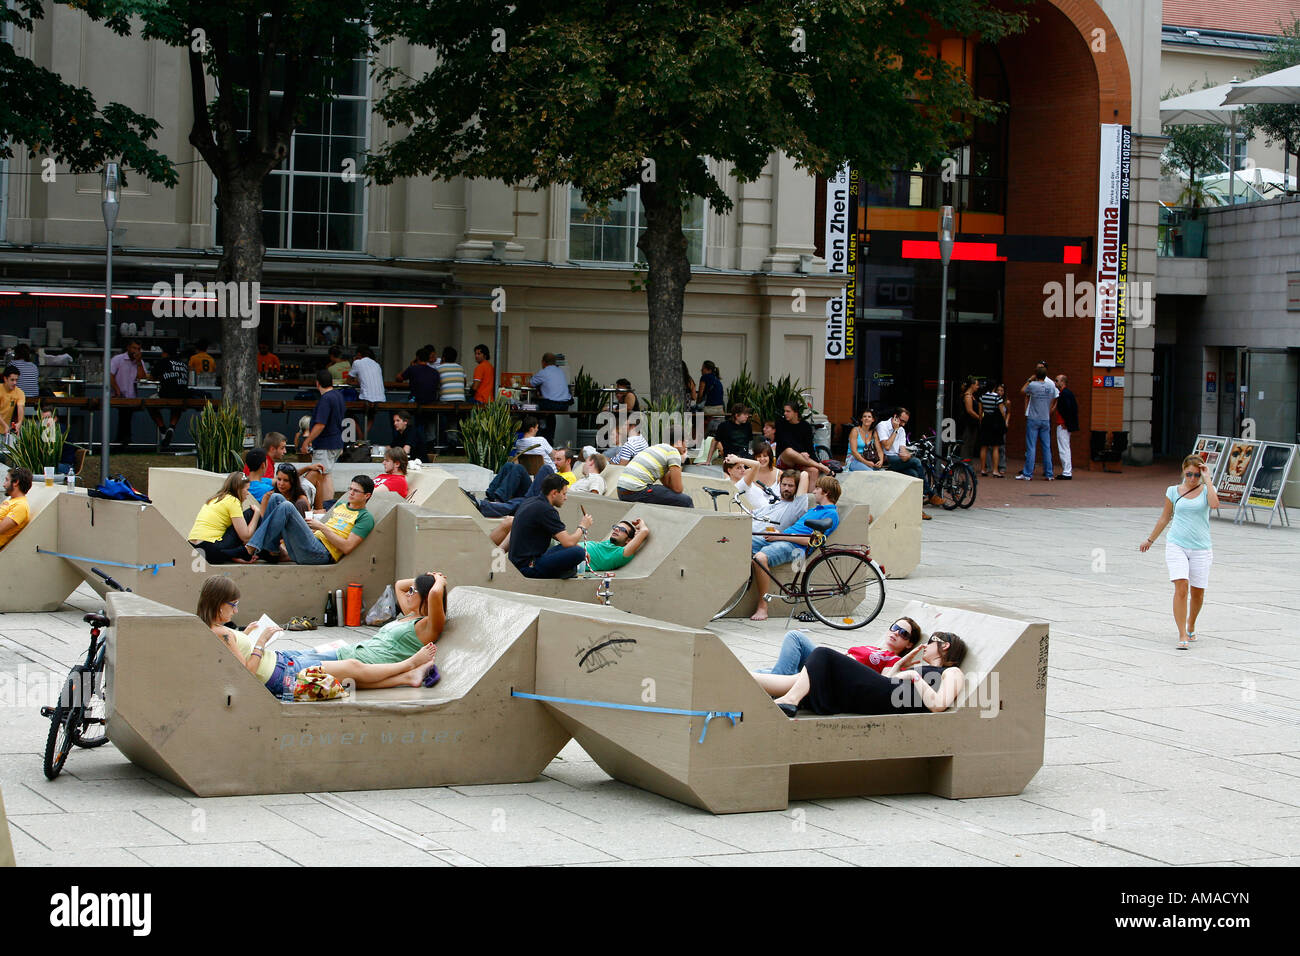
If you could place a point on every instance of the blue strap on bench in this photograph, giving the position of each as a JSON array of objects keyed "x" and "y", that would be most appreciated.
[
  {"x": 116, "y": 564},
  {"x": 708, "y": 715}
]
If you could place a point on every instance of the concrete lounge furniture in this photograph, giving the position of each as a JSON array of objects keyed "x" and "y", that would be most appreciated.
[
  {"x": 989, "y": 745},
  {"x": 134, "y": 533},
  {"x": 182, "y": 706},
  {"x": 637, "y": 693},
  {"x": 6, "y": 844},
  {"x": 33, "y": 582},
  {"x": 690, "y": 559},
  {"x": 179, "y": 492}
]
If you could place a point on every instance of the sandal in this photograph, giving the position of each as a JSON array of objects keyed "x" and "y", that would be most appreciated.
[
  {"x": 805, "y": 617},
  {"x": 1191, "y": 636},
  {"x": 1183, "y": 645},
  {"x": 302, "y": 624},
  {"x": 984, "y": 474}
]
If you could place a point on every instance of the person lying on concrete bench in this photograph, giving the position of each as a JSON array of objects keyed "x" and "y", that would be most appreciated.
[
  {"x": 593, "y": 470},
  {"x": 625, "y": 539},
  {"x": 14, "y": 513},
  {"x": 277, "y": 670},
  {"x": 561, "y": 463},
  {"x": 655, "y": 476},
  {"x": 903, "y": 636},
  {"x": 834, "y": 683},
  {"x": 535, "y": 524},
  {"x": 422, "y": 603},
  {"x": 771, "y": 550},
  {"x": 394, "y": 476},
  {"x": 223, "y": 526},
  {"x": 308, "y": 541}
]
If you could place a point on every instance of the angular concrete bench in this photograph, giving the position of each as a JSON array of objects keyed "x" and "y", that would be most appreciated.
[
  {"x": 182, "y": 706},
  {"x": 690, "y": 559},
  {"x": 990, "y": 744},
  {"x": 94, "y": 531},
  {"x": 33, "y": 582},
  {"x": 6, "y": 844},
  {"x": 179, "y": 492}
]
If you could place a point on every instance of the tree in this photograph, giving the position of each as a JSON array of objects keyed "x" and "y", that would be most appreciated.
[
  {"x": 55, "y": 119},
  {"x": 606, "y": 95},
  {"x": 256, "y": 70},
  {"x": 1195, "y": 151},
  {"x": 1279, "y": 122}
]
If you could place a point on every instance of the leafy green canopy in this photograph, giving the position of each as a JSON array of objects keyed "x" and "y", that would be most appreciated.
[
  {"x": 53, "y": 118},
  {"x": 584, "y": 91}
]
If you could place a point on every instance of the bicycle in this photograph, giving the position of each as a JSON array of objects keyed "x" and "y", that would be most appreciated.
[
  {"x": 78, "y": 718},
  {"x": 841, "y": 585},
  {"x": 952, "y": 478}
]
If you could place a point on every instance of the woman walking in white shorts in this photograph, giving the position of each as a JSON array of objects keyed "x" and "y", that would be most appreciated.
[{"x": 1187, "y": 549}]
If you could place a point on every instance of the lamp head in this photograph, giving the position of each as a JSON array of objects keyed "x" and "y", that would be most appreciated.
[
  {"x": 947, "y": 233},
  {"x": 111, "y": 204}
]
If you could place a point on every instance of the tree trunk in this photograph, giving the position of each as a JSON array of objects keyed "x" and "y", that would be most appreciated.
[
  {"x": 664, "y": 246},
  {"x": 241, "y": 262}
]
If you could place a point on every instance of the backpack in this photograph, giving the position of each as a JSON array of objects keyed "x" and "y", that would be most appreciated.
[{"x": 117, "y": 488}]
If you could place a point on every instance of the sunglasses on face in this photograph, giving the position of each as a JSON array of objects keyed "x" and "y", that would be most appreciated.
[
  {"x": 903, "y": 631},
  {"x": 1191, "y": 474},
  {"x": 937, "y": 640},
  {"x": 234, "y": 604}
]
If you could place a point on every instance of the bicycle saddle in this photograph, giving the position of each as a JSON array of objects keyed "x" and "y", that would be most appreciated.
[
  {"x": 819, "y": 524},
  {"x": 96, "y": 620},
  {"x": 717, "y": 492}
]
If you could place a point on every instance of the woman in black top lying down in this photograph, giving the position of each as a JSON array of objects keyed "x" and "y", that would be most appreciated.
[{"x": 834, "y": 683}]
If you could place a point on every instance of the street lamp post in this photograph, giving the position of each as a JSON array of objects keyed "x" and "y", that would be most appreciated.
[
  {"x": 110, "y": 205},
  {"x": 946, "y": 232}
]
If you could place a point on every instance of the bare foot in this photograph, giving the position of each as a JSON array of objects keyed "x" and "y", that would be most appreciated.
[
  {"x": 423, "y": 656},
  {"x": 415, "y": 676},
  {"x": 759, "y": 615}
]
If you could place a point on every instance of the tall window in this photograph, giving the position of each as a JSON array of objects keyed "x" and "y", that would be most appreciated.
[
  {"x": 316, "y": 199},
  {"x": 613, "y": 237}
]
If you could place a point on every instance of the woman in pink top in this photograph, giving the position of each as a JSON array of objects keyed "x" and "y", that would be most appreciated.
[{"x": 394, "y": 476}]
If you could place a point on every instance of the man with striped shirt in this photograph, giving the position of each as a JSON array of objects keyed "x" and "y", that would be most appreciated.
[
  {"x": 655, "y": 475},
  {"x": 630, "y": 444}
]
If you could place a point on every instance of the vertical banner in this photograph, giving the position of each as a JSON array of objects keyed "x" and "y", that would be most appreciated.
[
  {"x": 1112, "y": 247},
  {"x": 841, "y": 259}
]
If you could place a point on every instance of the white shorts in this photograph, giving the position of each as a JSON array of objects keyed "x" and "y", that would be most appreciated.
[{"x": 1189, "y": 564}]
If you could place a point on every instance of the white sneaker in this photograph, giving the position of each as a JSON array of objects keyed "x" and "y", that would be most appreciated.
[{"x": 1021, "y": 476}]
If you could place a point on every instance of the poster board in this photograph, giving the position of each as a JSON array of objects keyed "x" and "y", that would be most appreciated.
[
  {"x": 1211, "y": 449},
  {"x": 1269, "y": 480},
  {"x": 1239, "y": 462}
]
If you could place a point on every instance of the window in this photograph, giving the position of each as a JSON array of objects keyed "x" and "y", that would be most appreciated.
[
  {"x": 613, "y": 237},
  {"x": 315, "y": 200},
  {"x": 1243, "y": 143}
]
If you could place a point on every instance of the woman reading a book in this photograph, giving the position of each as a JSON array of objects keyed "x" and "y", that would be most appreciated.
[{"x": 218, "y": 602}]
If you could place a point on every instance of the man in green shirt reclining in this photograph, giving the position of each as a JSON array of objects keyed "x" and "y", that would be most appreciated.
[{"x": 625, "y": 539}]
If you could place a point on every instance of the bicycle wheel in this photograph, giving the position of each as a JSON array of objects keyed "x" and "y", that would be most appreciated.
[
  {"x": 92, "y": 731},
  {"x": 972, "y": 484},
  {"x": 953, "y": 487},
  {"x": 734, "y": 599},
  {"x": 843, "y": 589},
  {"x": 60, "y": 738}
]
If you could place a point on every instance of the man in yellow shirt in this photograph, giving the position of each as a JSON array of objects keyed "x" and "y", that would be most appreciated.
[
  {"x": 562, "y": 458},
  {"x": 13, "y": 403},
  {"x": 13, "y": 513},
  {"x": 309, "y": 541},
  {"x": 201, "y": 363}
]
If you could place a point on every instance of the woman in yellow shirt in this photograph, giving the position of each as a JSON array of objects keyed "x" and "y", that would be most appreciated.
[
  {"x": 222, "y": 525},
  {"x": 218, "y": 602}
]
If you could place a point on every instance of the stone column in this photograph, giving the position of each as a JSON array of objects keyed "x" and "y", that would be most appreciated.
[
  {"x": 489, "y": 218},
  {"x": 793, "y": 200}
]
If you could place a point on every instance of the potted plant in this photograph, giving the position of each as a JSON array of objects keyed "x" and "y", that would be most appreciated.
[
  {"x": 488, "y": 434},
  {"x": 218, "y": 433}
]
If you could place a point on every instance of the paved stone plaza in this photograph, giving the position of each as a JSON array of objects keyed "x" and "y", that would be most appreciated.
[{"x": 1153, "y": 756}]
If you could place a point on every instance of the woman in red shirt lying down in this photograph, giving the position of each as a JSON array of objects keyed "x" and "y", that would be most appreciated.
[{"x": 394, "y": 476}]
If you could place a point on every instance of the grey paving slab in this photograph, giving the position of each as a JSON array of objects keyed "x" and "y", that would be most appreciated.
[{"x": 1191, "y": 758}]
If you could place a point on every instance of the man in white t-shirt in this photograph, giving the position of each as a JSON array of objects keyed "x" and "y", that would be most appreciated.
[
  {"x": 781, "y": 514},
  {"x": 370, "y": 382},
  {"x": 893, "y": 438}
]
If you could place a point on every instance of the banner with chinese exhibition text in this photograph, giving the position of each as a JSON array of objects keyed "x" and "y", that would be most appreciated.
[
  {"x": 1110, "y": 322},
  {"x": 841, "y": 259}
]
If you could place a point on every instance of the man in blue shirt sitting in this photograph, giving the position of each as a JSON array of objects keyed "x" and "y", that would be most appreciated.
[{"x": 794, "y": 540}]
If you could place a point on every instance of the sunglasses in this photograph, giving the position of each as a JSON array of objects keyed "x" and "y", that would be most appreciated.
[
  {"x": 1191, "y": 474},
  {"x": 234, "y": 604},
  {"x": 412, "y": 590},
  {"x": 903, "y": 631},
  {"x": 937, "y": 640}
]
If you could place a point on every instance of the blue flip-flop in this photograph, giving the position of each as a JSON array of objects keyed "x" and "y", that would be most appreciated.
[{"x": 432, "y": 677}]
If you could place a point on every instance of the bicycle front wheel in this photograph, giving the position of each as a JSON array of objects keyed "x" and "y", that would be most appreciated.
[
  {"x": 59, "y": 741},
  {"x": 843, "y": 589},
  {"x": 953, "y": 487}
]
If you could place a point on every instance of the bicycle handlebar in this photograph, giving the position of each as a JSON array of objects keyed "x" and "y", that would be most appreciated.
[{"x": 109, "y": 581}]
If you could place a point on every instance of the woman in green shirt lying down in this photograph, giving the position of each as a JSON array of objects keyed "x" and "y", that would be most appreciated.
[
  {"x": 422, "y": 604},
  {"x": 625, "y": 539}
]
